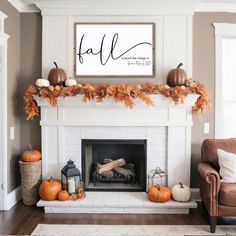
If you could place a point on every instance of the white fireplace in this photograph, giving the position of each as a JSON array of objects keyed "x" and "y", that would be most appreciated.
[{"x": 166, "y": 127}]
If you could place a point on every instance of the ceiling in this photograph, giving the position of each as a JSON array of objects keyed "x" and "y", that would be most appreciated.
[
  {"x": 204, "y": 1},
  {"x": 198, "y": 5}
]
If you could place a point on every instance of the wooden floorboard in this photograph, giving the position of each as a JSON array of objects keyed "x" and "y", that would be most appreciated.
[{"x": 22, "y": 220}]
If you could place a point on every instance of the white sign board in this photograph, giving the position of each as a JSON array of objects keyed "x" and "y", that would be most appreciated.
[{"x": 114, "y": 49}]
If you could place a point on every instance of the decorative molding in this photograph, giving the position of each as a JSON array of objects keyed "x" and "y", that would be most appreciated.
[
  {"x": 23, "y": 7},
  {"x": 222, "y": 31},
  {"x": 107, "y": 7},
  {"x": 104, "y": 7},
  {"x": 225, "y": 30},
  {"x": 133, "y": 7},
  {"x": 3, "y": 113},
  {"x": 216, "y": 7},
  {"x": 12, "y": 198}
]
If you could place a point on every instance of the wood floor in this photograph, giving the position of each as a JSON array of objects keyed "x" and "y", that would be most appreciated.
[{"x": 21, "y": 220}]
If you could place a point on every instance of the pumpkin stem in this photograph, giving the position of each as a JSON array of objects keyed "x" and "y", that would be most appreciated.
[
  {"x": 50, "y": 180},
  {"x": 158, "y": 186},
  {"x": 55, "y": 64},
  {"x": 180, "y": 64},
  {"x": 181, "y": 185},
  {"x": 31, "y": 149}
]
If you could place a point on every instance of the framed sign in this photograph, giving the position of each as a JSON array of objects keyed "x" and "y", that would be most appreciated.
[{"x": 114, "y": 49}]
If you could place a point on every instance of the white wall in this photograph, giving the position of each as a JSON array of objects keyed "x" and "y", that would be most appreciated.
[{"x": 173, "y": 43}]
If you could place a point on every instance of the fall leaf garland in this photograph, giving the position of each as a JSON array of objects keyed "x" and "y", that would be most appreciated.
[{"x": 124, "y": 93}]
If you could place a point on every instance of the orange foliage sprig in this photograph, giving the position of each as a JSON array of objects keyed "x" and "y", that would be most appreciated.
[{"x": 124, "y": 93}]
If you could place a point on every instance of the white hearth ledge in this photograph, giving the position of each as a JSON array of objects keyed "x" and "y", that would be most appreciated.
[{"x": 117, "y": 203}]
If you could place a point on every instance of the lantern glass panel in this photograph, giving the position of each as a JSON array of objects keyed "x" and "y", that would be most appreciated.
[
  {"x": 64, "y": 182},
  {"x": 157, "y": 177}
]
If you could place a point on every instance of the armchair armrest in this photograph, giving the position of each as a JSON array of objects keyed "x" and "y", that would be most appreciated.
[{"x": 210, "y": 186}]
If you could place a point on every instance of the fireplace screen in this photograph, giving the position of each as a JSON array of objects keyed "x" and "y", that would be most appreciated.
[{"x": 114, "y": 165}]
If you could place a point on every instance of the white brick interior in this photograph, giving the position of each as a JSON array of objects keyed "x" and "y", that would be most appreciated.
[{"x": 156, "y": 142}]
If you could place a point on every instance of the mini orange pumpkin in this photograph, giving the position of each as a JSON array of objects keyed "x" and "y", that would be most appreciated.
[
  {"x": 159, "y": 193},
  {"x": 31, "y": 155},
  {"x": 49, "y": 189},
  {"x": 64, "y": 196},
  {"x": 56, "y": 76},
  {"x": 177, "y": 76}
]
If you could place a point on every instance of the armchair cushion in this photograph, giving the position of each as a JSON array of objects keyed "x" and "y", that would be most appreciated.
[
  {"x": 227, "y": 195},
  {"x": 227, "y": 162}
]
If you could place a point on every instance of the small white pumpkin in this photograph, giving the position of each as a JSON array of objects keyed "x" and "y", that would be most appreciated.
[
  {"x": 42, "y": 82},
  {"x": 70, "y": 82},
  {"x": 181, "y": 193}
]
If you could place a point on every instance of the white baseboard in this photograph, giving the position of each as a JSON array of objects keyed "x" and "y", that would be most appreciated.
[
  {"x": 12, "y": 198},
  {"x": 196, "y": 194}
]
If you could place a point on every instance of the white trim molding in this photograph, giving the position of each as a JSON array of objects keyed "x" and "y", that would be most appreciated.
[
  {"x": 23, "y": 7},
  {"x": 216, "y": 7},
  {"x": 222, "y": 31},
  {"x": 118, "y": 7},
  {"x": 12, "y": 198},
  {"x": 131, "y": 7},
  {"x": 3, "y": 113}
]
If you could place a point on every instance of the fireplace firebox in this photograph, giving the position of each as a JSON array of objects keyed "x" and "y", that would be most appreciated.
[{"x": 114, "y": 165}]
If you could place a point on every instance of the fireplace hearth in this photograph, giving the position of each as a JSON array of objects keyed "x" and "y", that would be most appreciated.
[{"x": 114, "y": 165}]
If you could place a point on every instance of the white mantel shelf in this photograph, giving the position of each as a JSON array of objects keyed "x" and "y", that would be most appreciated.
[{"x": 71, "y": 111}]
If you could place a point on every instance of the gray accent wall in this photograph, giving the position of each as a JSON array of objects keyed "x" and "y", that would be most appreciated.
[
  {"x": 12, "y": 28},
  {"x": 204, "y": 71},
  {"x": 24, "y": 66},
  {"x": 31, "y": 51}
]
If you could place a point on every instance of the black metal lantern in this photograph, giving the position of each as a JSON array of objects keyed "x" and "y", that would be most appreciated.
[{"x": 70, "y": 177}]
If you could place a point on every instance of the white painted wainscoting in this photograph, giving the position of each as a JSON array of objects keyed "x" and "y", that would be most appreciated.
[{"x": 166, "y": 127}]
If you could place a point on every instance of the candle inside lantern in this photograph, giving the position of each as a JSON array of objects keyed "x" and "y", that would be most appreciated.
[{"x": 71, "y": 185}]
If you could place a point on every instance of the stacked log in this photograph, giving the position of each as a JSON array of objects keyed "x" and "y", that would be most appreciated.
[{"x": 113, "y": 168}]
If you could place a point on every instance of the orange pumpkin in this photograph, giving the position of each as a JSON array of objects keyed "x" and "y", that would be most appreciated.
[
  {"x": 49, "y": 189},
  {"x": 56, "y": 76},
  {"x": 64, "y": 196},
  {"x": 159, "y": 193},
  {"x": 31, "y": 155},
  {"x": 177, "y": 76}
]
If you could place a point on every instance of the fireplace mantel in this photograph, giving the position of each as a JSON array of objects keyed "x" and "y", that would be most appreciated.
[{"x": 71, "y": 111}]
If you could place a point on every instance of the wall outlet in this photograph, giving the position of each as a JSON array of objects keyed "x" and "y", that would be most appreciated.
[
  {"x": 12, "y": 133},
  {"x": 206, "y": 128}
]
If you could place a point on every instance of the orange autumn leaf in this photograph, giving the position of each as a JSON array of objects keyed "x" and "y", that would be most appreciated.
[{"x": 123, "y": 93}]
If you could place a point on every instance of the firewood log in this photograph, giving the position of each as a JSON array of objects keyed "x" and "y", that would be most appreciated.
[
  {"x": 107, "y": 160},
  {"x": 108, "y": 174},
  {"x": 109, "y": 166},
  {"x": 124, "y": 172}
]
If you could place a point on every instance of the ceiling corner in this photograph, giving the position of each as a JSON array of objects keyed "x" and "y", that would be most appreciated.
[{"x": 23, "y": 7}]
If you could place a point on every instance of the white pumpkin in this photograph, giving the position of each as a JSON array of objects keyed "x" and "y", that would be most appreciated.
[
  {"x": 70, "y": 82},
  {"x": 42, "y": 82},
  {"x": 181, "y": 193}
]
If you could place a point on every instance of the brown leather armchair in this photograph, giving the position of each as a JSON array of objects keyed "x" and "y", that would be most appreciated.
[{"x": 218, "y": 198}]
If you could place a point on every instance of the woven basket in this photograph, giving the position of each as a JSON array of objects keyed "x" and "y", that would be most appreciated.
[{"x": 31, "y": 177}]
